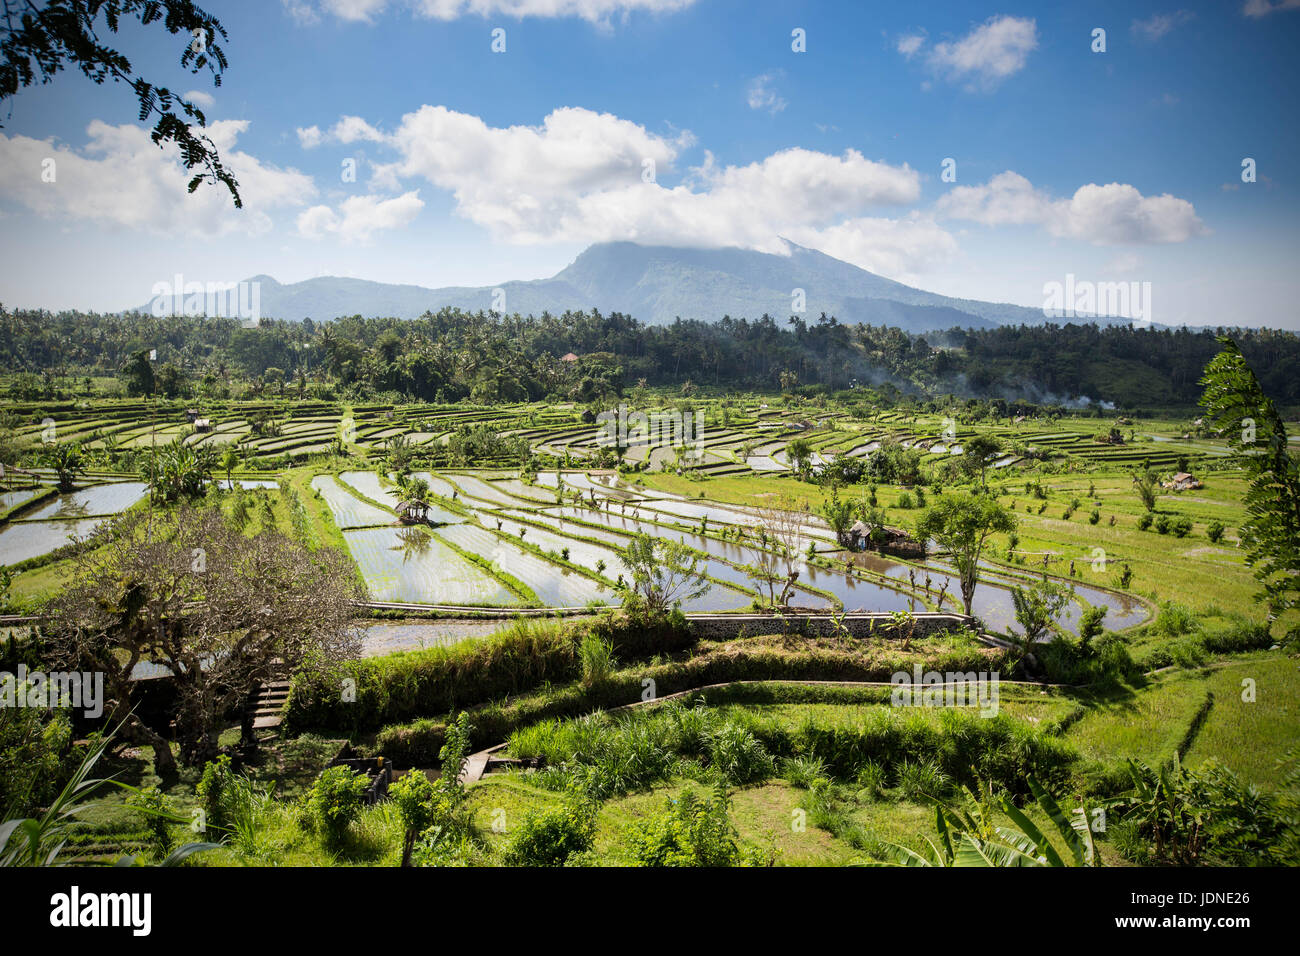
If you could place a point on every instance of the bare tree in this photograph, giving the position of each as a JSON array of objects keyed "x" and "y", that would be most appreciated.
[{"x": 221, "y": 611}]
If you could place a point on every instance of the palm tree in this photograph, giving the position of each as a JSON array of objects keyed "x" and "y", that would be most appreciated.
[
  {"x": 67, "y": 461},
  {"x": 228, "y": 461},
  {"x": 177, "y": 470}
]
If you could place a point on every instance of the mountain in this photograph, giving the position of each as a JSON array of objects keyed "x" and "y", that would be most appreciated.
[{"x": 657, "y": 284}]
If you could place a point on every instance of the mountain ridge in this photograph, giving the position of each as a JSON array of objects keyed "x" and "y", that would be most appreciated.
[{"x": 657, "y": 285}]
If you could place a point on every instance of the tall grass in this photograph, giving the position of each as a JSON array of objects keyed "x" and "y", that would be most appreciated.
[
  {"x": 610, "y": 754},
  {"x": 597, "y": 657}
]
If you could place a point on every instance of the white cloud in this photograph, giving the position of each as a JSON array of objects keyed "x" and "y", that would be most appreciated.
[
  {"x": 1159, "y": 24},
  {"x": 301, "y": 11},
  {"x": 355, "y": 10},
  {"x": 910, "y": 43},
  {"x": 121, "y": 178},
  {"x": 364, "y": 11},
  {"x": 359, "y": 217},
  {"x": 1104, "y": 215},
  {"x": 985, "y": 56},
  {"x": 1262, "y": 8},
  {"x": 761, "y": 96},
  {"x": 350, "y": 129},
  {"x": 198, "y": 96},
  {"x": 900, "y": 249},
  {"x": 579, "y": 178}
]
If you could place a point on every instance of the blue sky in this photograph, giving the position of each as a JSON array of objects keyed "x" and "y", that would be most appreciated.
[{"x": 475, "y": 166}]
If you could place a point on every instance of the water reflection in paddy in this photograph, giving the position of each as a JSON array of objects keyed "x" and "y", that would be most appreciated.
[
  {"x": 23, "y": 540},
  {"x": 95, "y": 500}
]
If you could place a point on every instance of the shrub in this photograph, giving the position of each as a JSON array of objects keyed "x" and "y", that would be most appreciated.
[
  {"x": 335, "y": 801},
  {"x": 1162, "y": 524},
  {"x": 157, "y": 817},
  {"x": 35, "y": 756},
  {"x": 213, "y": 792},
  {"x": 1181, "y": 527},
  {"x": 550, "y": 837},
  {"x": 691, "y": 831},
  {"x": 1144, "y": 521},
  {"x": 1215, "y": 531},
  {"x": 905, "y": 501},
  {"x": 413, "y": 796},
  {"x": 1090, "y": 623},
  {"x": 1094, "y": 516}
]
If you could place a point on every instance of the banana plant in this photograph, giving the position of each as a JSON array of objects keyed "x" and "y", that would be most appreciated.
[{"x": 966, "y": 837}]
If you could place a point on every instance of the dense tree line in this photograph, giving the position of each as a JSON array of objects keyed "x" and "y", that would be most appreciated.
[{"x": 452, "y": 355}]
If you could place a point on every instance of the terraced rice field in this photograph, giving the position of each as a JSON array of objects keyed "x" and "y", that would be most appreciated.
[
  {"x": 555, "y": 586},
  {"x": 348, "y": 510},
  {"x": 95, "y": 500},
  {"x": 24, "y": 540},
  {"x": 368, "y": 483},
  {"x": 9, "y": 499},
  {"x": 411, "y": 565}
]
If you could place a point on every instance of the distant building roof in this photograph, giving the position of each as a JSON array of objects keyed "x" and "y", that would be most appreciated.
[{"x": 568, "y": 357}]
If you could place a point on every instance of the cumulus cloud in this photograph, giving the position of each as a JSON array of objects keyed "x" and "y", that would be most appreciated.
[
  {"x": 121, "y": 178},
  {"x": 583, "y": 176},
  {"x": 359, "y": 217},
  {"x": 1159, "y": 24},
  {"x": 761, "y": 96},
  {"x": 200, "y": 98},
  {"x": 1104, "y": 215},
  {"x": 901, "y": 249},
  {"x": 309, "y": 137},
  {"x": 984, "y": 57},
  {"x": 349, "y": 129},
  {"x": 364, "y": 11},
  {"x": 1262, "y": 8}
]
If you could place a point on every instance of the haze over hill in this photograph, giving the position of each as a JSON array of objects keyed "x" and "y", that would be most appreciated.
[{"x": 657, "y": 284}]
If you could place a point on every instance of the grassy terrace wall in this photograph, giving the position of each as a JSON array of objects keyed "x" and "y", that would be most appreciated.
[
  {"x": 531, "y": 673},
  {"x": 369, "y": 693}
]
